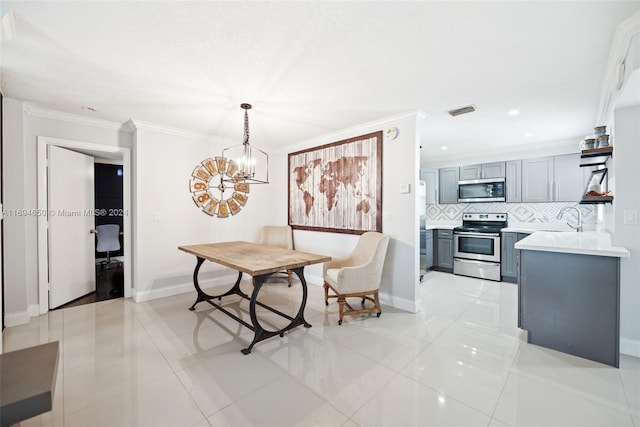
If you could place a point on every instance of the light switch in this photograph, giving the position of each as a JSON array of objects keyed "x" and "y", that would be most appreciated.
[
  {"x": 156, "y": 216},
  {"x": 631, "y": 217},
  {"x": 405, "y": 188}
]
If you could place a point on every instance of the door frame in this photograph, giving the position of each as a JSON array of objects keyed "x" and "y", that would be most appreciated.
[{"x": 96, "y": 150}]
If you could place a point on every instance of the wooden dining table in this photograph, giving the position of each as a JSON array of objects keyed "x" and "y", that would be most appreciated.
[{"x": 260, "y": 261}]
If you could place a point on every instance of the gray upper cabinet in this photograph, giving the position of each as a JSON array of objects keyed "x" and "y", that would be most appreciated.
[
  {"x": 470, "y": 172},
  {"x": 514, "y": 181},
  {"x": 537, "y": 179},
  {"x": 430, "y": 177},
  {"x": 493, "y": 170},
  {"x": 481, "y": 171},
  {"x": 569, "y": 178},
  {"x": 553, "y": 179},
  {"x": 448, "y": 185}
]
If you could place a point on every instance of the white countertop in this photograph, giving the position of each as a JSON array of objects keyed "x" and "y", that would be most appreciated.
[
  {"x": 443, "y": 225},
  {"x": 530, "y": 227},
  {"x": 585, "y": 243}
]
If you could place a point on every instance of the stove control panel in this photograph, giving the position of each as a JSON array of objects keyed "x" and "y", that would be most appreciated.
[{"x": 498, "y": 217}]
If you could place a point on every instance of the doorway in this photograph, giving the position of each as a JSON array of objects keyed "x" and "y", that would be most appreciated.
[
  {"x": 109, "y": 211},
  {"x": 113, "y": 154}
]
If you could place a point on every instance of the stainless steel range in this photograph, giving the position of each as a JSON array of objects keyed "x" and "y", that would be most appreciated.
[{"x": 476, "y": 245}]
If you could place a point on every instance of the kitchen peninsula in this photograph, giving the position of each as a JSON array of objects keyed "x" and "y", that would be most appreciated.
[{"x": 569, "y": 293}]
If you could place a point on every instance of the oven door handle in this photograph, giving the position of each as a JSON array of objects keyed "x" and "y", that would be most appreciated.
[{"x": 467, "y": 233}]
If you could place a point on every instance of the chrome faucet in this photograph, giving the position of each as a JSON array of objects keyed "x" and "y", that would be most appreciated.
[{"x": 578, "y": 226}]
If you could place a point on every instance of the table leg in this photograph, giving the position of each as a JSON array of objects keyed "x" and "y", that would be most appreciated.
[
  {"x": 203, "y": 296},
  {"x": 260, "y": 333}
]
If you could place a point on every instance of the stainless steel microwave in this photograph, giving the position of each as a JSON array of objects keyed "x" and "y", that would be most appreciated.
[{"x": 482, "y": 190}]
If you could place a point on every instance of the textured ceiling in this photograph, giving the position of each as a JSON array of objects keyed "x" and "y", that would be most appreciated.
[{"x": 310, "y": 68}]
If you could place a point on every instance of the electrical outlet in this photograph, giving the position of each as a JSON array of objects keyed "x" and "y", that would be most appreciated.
[
  {"x": 156, "y": 216},
  {"x": 630, "y": 217}
]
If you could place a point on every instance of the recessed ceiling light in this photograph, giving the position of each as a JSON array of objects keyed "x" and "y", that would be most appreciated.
[
  {"x": 513, "y": 112},
  {"x": 527, "y": 135},
  {"x": 444, "y": 147}
]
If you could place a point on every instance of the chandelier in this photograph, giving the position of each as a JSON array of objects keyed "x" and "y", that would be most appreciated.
[
  {"x": 239, "y": 166},
  {"x": 251, "y": 162}
]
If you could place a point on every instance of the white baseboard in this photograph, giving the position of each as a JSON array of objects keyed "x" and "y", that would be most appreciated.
[
  {"x": 15, "y": 319},
  {"x": 23, "y": 317},
  {"x": 313, "y": 280},
  {"x": 167, "y": 291},
  {"x": 630, "y": 347},
  {"x": 401, "y": 303},
  {"x": 34, "y": 310}
]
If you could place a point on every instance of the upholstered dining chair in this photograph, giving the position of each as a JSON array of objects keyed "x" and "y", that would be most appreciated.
[
  {"x": 280, "y": 236},
  {"x": 357, "y": 275}
]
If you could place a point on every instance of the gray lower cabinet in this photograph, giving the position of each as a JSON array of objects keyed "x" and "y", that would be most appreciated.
[
  {"x": 509, "y": 256},
  {"x": 426, "y": 250},
  {"x": 429, "y": 250},
  {"x": 571, "y": 303},
  {"x": 444, "y": 250},
  {"x": 448, "y": 185}
]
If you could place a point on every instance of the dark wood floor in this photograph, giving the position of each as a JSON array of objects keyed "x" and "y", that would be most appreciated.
[{"x": 109, "y": 285}]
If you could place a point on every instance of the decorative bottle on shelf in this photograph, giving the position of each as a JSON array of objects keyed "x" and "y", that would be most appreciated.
[{"x": 594, "y": 186}]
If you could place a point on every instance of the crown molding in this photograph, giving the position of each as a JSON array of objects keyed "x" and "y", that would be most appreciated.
[
  {"x": 543, "y": 149},
  {"x": 355, "y": 130},
  {"x": 168, "y": 130},
  {"x": 615, "y": 72},
  {"x": 35, "y": 111}
]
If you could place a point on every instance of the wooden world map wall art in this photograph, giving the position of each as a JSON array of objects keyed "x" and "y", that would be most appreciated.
[
  {"x": 209, "y": 190},
  {"x": 337, "y": 187}
]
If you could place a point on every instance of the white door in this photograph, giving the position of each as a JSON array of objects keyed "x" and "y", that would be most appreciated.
[{"x": 71, "y": 243}]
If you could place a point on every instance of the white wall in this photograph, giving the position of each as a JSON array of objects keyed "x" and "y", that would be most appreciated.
[
  {"x": 623, "y": 116},
  {"x": 22, "y": 125},
  {"x": 163, "y": 160},
  {"x": 399, "y": 166},
  {"x": 166, "y": 217},
  {"x": 627, "y": 198}
]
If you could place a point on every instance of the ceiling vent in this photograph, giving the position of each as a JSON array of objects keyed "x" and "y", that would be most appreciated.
[{"x": 463, "y": 110}]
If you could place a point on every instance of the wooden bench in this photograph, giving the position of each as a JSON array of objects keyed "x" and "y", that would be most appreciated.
[{"x": 27, "y": 382}]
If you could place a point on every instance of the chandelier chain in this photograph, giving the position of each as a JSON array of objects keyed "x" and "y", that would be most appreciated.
[{"x": 246, "y": 127}]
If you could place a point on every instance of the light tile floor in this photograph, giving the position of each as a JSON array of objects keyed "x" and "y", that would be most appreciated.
[{"x": 458, "y": 362}]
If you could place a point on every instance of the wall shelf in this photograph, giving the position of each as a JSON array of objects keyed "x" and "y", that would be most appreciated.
[
  {"x": 593, "y": 200},
  {"x": 595, "y": 156}
]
